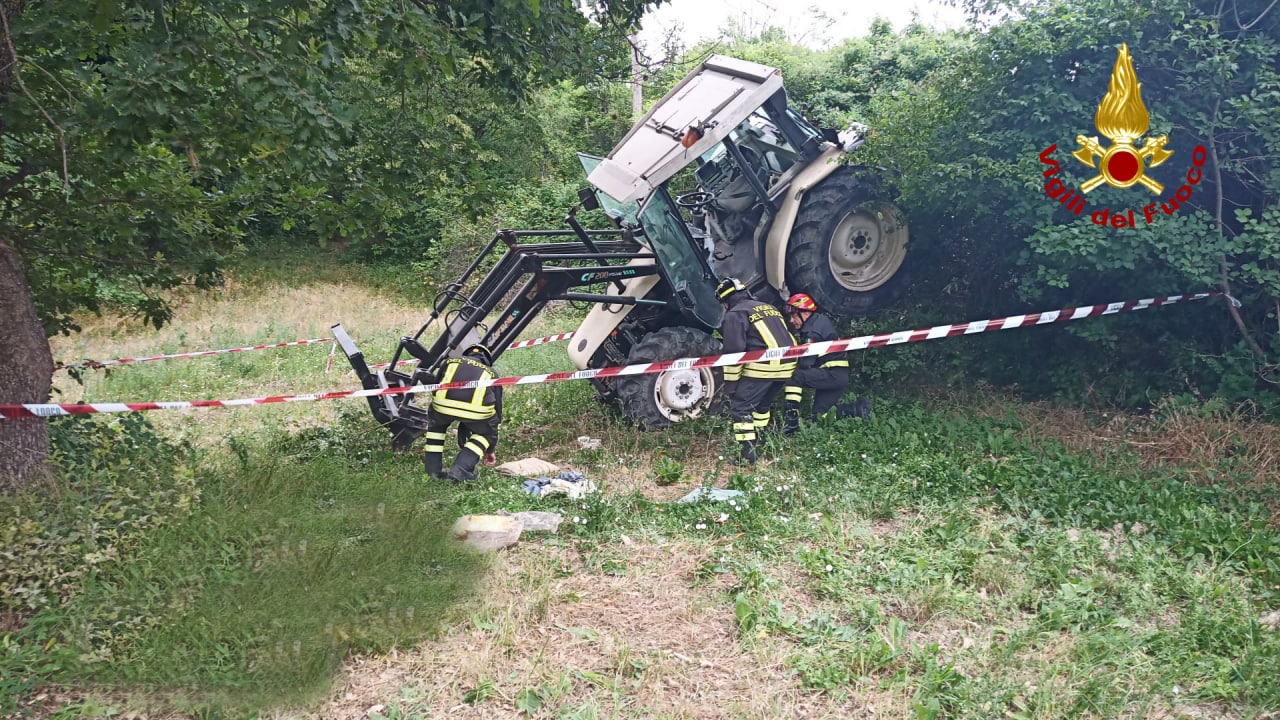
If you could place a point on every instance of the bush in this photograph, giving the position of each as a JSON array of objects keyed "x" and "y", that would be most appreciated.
[{"x": 117, "y": 480}]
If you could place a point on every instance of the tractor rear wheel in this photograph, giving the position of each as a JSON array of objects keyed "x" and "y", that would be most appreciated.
[
  {"x": 847, "y": 247},
  {"x": 659, "y": 400}
]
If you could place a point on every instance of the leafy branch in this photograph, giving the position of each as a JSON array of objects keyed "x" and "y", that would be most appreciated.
[{"x": 17, "y": 76}]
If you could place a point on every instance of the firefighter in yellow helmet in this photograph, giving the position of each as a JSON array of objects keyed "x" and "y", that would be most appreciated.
[
  {"x": 478, "y": 412},
  {"x": 827, "y": 375},
  {"x": 751, "y": 324}
]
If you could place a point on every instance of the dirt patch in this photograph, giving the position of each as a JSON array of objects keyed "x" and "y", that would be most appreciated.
[
  {"x": 644, "y": 635},
  {"x": 1200, "y": 711}
]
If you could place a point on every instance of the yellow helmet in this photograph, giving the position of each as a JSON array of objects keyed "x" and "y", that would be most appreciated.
[
  {"x": 481, "y": 351},
  {"x": 729, "y": 286}
]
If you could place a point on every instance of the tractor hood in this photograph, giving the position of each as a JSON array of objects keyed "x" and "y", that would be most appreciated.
[{"x": 717, "y": 96}]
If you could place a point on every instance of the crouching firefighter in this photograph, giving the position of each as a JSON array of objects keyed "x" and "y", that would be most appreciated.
[
  {"x": 478, "y": 411},
  {"x": 827, "y": 375},
  {"x": 751, "y": 324}
]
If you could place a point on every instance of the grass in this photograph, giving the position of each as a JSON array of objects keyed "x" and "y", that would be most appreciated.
[
  {"x": 291, "y": 563},
  {"x": 951, "y": 558}
]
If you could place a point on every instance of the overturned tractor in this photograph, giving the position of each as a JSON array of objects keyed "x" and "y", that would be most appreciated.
[{"x": 773, "y": 201}]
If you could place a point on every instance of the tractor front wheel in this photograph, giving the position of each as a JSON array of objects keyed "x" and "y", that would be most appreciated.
[
  {"x": 847, "y": 247},
  {"x": 659, "y": 400}
]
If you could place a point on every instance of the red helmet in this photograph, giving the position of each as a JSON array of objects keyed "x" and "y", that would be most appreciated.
[{"x": 801, "y": 301}]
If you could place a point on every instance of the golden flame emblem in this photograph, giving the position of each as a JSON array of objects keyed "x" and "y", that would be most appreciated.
[{"x": 1122, "y": 117}]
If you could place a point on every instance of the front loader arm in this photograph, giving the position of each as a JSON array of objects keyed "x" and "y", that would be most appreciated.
[{"x": 537, "y": 272}]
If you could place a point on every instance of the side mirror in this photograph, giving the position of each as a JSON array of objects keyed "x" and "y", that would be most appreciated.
[
  {"x": 831, "y": 136},
  {"x": 587, "y": 196}
]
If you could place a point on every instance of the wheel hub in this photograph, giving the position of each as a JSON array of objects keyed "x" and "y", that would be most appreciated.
[
  {"x": 867, "y": 247},
  {"x": 681, "y": 394}
]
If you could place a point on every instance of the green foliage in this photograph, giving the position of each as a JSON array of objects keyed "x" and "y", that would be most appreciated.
[
  {"x": 667, "y": 471},
  {"x": 971, "y": 175},
  {"x": 295, "y": 558},
  {"x": 130, "y": 159},
  {"x": 118, "y": 481}
]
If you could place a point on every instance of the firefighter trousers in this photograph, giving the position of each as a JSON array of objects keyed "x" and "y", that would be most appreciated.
[
  {"x": 828, "y": 384},
  {"x": 749, "y": 410},
  {"x": 475, "y": 438}
]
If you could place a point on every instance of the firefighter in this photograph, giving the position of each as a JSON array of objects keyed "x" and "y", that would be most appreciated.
[
  {"x": 827, "y": 375},
  {"x": 750, "y": 324},
  {"x": 478, "y": 411}
]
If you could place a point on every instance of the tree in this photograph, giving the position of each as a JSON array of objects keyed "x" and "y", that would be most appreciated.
[{"x": 141, "y": 141}]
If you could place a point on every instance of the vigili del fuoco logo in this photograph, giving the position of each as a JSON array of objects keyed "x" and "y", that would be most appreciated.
[{"x": 1122, "y": 118}]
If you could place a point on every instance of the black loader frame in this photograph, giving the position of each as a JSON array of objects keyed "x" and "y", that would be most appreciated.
[{"x": 551, "y": 270}]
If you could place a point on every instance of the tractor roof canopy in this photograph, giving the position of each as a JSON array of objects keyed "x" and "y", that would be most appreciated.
[{"x": 714, "y": 98}]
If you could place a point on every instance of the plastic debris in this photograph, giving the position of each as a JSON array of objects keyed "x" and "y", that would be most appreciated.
[
  {"x": 589, "y": 443},
  {"x": 527, "y": 467},
  {"x": 715, "y": 494},
  {"x": 536, "y": 520},
  {"x": 1270, "y": 621},
  {"x": 487, "y": 533},
  {"x": 569, "y": 482}
]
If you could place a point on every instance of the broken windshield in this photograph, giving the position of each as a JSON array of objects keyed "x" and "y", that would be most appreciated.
[{"x": 612, "y": 207}]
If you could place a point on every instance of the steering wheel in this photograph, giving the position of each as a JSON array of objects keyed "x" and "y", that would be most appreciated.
[{"x": 695, "y": 200}]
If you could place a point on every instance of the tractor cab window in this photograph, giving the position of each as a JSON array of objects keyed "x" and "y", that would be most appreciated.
[
  {"x": 769, "y": 156},
  {"x": 765, "y": 147},
  {"x": 623, "y": 212},
  {"x": 804, "y": 125},
  {"x": 669, "y": 237}
]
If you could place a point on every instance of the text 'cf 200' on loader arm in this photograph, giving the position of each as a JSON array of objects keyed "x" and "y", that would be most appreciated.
[{"x": 777, "y": 204}]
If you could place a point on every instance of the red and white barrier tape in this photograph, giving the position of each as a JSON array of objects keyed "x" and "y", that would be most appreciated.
[
  {"x": 27, "y": 410},
  {"x": 539, "y": 341},
  {"x": 200, "y": 353}
]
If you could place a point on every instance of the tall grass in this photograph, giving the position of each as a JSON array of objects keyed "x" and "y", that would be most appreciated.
[{"x": 290, "y": 563}]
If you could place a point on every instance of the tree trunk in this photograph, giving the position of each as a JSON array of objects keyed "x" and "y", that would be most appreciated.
[
  {"x": 26, "y": 371},
  {"x": 637, "y": 85},
  {"x": 26, "y": 365}
]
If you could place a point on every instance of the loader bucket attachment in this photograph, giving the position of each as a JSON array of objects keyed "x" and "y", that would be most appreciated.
[{"x": 398, "y": 413}]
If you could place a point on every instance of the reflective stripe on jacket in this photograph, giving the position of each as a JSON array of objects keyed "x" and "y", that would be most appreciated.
[
  {"x": 753, "y": 325},
  {"x": 463, "y": 403}
]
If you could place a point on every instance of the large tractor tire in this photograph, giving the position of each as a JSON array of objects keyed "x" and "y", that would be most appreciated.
[
  {"x": 847, "y": 247},
  {"x": 659, "y": 400}
]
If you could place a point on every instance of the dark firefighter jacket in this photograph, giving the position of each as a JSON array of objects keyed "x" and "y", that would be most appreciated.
[
  {"x": 819, "y": 328},
  {"x": 480, "y": 403},
  {"x": 750, "y": 324}
]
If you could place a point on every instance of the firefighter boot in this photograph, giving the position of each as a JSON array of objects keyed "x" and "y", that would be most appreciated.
[
  {"x": 747, "y": 453},
  {"x": 791, "y": 422},
  {"x": 434, "y": 464},
  {"x": 464, "y": 466}
]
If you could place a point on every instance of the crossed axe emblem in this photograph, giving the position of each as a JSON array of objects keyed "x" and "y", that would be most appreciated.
[{"x": 1122, "y": 165}]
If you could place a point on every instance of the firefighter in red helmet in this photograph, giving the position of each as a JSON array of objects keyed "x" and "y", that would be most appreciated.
[{"x": 827, "y": 375}]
